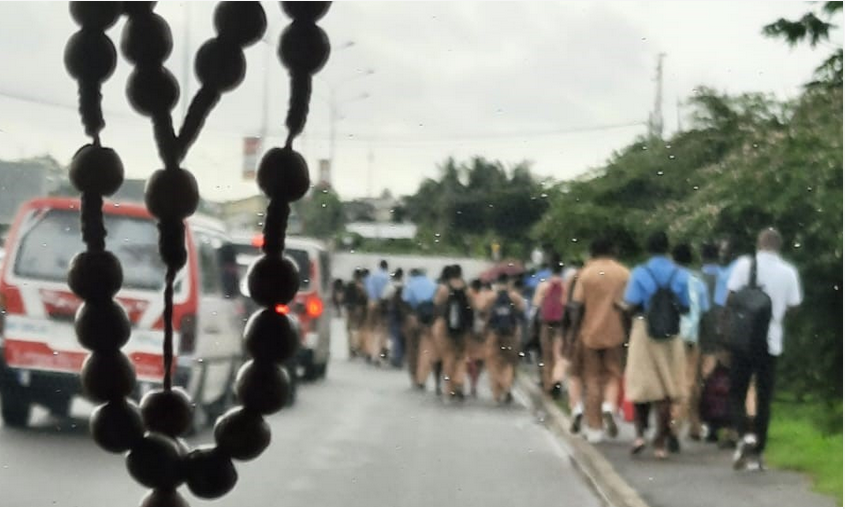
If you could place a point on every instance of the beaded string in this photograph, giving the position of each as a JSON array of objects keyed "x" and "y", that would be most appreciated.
[{"x": 156, "y": 457}]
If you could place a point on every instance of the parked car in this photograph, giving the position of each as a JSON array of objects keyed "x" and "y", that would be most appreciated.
[
  {"x": 41, "y": 357},
  {"x": 313, "y": 261}
]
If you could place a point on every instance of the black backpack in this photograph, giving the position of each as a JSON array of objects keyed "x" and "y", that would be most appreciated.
[
  {"x": 749, "y": 315},
  {"x": 458, "y": 312},
  {"x": 664, "y": 311},
  {"x": 425, "y": 312},
  {"x": 503, "y": 316}
]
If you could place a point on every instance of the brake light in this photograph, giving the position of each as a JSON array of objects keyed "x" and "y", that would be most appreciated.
[
  {"x": 188, "y": 331},
  {"x": 282, "y": 309},
  {"x": 258, "y": 240},
  {"x": 314, "y": 307}
]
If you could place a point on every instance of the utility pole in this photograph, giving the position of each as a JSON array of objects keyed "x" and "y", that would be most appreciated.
[
  {"x": 678, "y": 111},
  {"x": 655, "y": 119},
  {"x": 370, "y": 159}
]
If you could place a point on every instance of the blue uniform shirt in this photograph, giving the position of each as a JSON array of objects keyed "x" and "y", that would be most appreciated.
[
  {"x": 641, "y": 285},
  {"x": 419, "y": 289},
  {"x": 376, "y": 283},
  {"x": 720, "y": 295},
  {"x": 711, "y": 269}
]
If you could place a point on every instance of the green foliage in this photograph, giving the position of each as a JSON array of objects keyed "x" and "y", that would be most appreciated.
[
  {"x": 808, "y": 438},
  {"x": 321, "y": 213},
  {"x": 813, "y": 29},
  {"x": 475, "y": 204}
]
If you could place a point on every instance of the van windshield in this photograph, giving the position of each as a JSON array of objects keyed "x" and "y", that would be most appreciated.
[
  {"x": 50, "y": 239},
  {"x": 247, "y": 253}
]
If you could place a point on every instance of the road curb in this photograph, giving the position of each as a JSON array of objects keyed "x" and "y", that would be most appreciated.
[{"x": 610, "y": 486}]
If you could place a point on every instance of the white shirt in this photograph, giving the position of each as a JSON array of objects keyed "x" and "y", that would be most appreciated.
[{"x": 779, "y": 280}]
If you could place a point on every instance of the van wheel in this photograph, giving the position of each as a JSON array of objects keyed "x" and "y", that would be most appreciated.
[{"x": 15, "y": 409}]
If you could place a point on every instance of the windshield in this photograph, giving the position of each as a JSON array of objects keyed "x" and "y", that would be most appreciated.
[
  {"x": 50, "y": 240},
  {"x": 246, "y": 254}
]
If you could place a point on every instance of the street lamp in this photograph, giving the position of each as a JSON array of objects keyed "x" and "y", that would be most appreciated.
[{"x": 333, "y": 104}]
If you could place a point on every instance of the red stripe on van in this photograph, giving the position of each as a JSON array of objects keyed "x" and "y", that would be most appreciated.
[{"x": 39, "y": 356}]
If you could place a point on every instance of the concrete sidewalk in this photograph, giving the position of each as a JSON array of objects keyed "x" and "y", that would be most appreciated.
[{"x": 700, "y": 475}]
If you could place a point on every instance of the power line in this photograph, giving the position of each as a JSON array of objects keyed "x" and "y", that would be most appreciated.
[{"x": 379, "y": 138}]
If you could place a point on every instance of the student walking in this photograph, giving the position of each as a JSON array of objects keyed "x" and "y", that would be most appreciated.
[{"x": 658, "y": 294}]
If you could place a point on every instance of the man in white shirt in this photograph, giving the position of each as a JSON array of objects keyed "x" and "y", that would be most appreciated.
[{"x": 779, "y": 280}]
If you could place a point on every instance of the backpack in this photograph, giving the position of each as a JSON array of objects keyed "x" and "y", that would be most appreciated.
[
  {"x": 715, "y": 405},
  {"x": 551, "y": 307},
  {"x": 664, "y": 311},
  {"x": 749, "y": 315},
  {"x": 458, "y": 312},
  {"x": 709, "y": 331},
  {"x": 502, "y": 317},
  {"x": 425, "y": 312}
]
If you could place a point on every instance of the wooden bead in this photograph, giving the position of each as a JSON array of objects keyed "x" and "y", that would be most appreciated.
[
  {"x": 210, "y": 474},
  {"x": 163, "y": 497},
  {"x": 241, "y": 434},
  {"x": 262, "y": 387},
  {"x": 95, "y": 15},
  {"x": 269, "y": 336},
  {"x": 95, "y": 275},
  {"x": 171, "y": 243},
  {"x": 242, "y": 23},
  {"x": 167, "y": 412},
  {"x": 273, "y": 280},
  {"x": 283, "y": 174},
  {"x": 90, "y": 56},
  {"x": 96, "y": 170},
  {"x": 172, "y": 195},
  {"x": 304, "y": 48},
  {"x": 116, "y": 426},
  {"x": 102, "y": 326},
  {"x": 152, "y": 90},
  {"x": 137, "y": 8},
  {"x": 107, "y": 376},
  {"x": 155, "y": 462},
  {"x": 146, "y": 40},
  {"x": 306, "y": 11},
  {"x": 219, "y": 65}
]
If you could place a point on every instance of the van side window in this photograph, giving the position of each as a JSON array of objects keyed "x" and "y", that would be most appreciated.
[
  {"x": 210, "y": 273},
  {"x": 325, "y": 271}
]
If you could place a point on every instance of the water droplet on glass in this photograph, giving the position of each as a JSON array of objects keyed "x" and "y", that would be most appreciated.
[
  {"x": 695, "y": 188},
  {"x": 671, "y": 156},
  {"x": 574, "y": 240},
  {"x": 601, "y": 273},
  {"x": 540, "y": 365},
  {"x": 809, "y": 189},
  {"x": 668, "y": 147},
  {"x": 544, "y": 195},
  {"x": 796, "y": 245},
  {"x": 645, "y": 148},
  {"x": 660, "y": 173},
  {"x": 55, "y": 353}
]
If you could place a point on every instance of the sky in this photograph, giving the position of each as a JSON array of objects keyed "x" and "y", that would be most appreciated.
[{"x": 558, "y": 84}]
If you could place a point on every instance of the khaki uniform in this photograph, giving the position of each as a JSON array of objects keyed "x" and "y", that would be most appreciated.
[
  {"x": 600, "y": 286},
  {"x": 502, "y": 349}
]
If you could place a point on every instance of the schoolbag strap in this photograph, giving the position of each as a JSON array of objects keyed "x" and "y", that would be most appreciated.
[
  {"x": 668, "y": 283},
  {"x": 572, "y": 287},
  {"x": 753, "y": 276}
]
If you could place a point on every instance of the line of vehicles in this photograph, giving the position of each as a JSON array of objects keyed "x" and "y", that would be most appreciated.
[{"x": 40, "y": 358}]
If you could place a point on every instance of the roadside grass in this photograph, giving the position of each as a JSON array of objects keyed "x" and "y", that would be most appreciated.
[{"x": 807, "y": 437}]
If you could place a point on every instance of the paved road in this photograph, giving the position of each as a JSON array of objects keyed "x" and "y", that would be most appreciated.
[{"x": 361, "y": 437}]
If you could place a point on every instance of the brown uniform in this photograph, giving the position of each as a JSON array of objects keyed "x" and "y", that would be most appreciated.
[
  {"x": 554, "y": 366},
  {"x": 600, "y": 287},
  {"x": 451, "y": 347},
  {"x": 502, "y": 349}
]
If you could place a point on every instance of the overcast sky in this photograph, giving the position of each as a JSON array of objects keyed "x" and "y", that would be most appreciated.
[{"x": 539, "y": 81}]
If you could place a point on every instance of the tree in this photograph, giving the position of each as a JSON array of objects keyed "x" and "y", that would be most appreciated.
[
  {"x": 322, "y": 213},
  {"x": 813, "y": 29}
]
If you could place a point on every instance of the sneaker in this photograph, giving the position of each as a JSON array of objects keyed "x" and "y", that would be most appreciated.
[
  {"x": 508, "y": 398},
  {"x": 610, "y": 425},
  {"x": 743, "y": 452},
  {"x": 594, "y": 436},
  {"x": 556, "y": 392},
  {"x": 755, "y": 464},
  {"x": 575, "y": 428}
]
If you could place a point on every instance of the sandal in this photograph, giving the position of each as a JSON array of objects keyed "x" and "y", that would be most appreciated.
[
  {"x": 661, "y": 454},
  {"x": 639, "y": 445}
]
